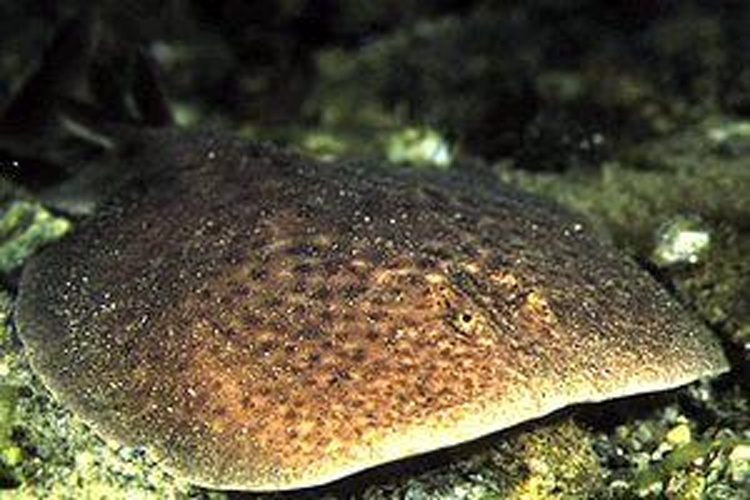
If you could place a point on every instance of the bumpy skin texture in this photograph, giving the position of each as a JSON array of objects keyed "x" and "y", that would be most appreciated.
[{"x": 260, "y": 321}]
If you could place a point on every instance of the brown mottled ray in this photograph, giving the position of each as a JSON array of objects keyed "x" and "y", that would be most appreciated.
[{"x": 262, "y": 321}]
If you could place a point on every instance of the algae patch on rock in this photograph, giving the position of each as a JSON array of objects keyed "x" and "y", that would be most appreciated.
[{"x": 261, "y": 321}]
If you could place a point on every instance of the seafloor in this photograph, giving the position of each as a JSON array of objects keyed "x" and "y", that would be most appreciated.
[{"x": 635, "y": 113}]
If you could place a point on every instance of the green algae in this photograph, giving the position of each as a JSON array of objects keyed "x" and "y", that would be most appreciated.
[
  {"x": 51, "y": 454},
  {"x": 419, "y": 146},
  {"x": 561, "y": 463},
  {"x": 10, "y": 454},
  {"x": 24, "y": 228},
  {"x": 683, "y": 240},
  {"x": 668, "y": 454}
]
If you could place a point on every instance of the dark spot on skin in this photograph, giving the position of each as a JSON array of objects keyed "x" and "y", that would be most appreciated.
[
  {"x": 251, "y": 320},
  {"x": 303, "y": 268},
  {"x": 359, "y": 355},
  {"x": 274, "y": 302},
  {"x": 290, "y": 414},
  {"x": 241, "y": 290},
  {"x": 234, "y": 256},
  {"x": 303, "y": 250},
  {"x": 338, "y": 377},
  {"x": 322, "y": 293},
  {"x": 351, "y": 292},
  {"x": 299, "y": 286},
  {"x": 257, "y": 244},
  {"x": 414, "y": 280},
  {"x": 230, "y": 333},
  {"x": 259, "y": 274},
  {"x": 498, "y": 261},
  {"x": 266, "y": 391},
  {"x": 313, "y": 358},
  {"x": 348, "y": 317},
  {"x": 376, "y": 316},
  {"x": 326, "y": 317},
  {"x": 378, "y": 301},
  {"x": 311, "y": 333},
  {"x": 267, "y": 347},
  {"x": 331, "y": 267},
  {"x": 424, "y": 263}
]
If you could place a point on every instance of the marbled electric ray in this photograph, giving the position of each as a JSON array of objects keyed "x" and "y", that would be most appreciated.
[{"x": 260, "y": 321}]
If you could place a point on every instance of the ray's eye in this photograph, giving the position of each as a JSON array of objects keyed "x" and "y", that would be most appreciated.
[{"x": 465, "y": 322}]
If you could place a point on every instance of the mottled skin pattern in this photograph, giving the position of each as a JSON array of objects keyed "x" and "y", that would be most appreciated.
[{"x": 261, "y": 321}]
